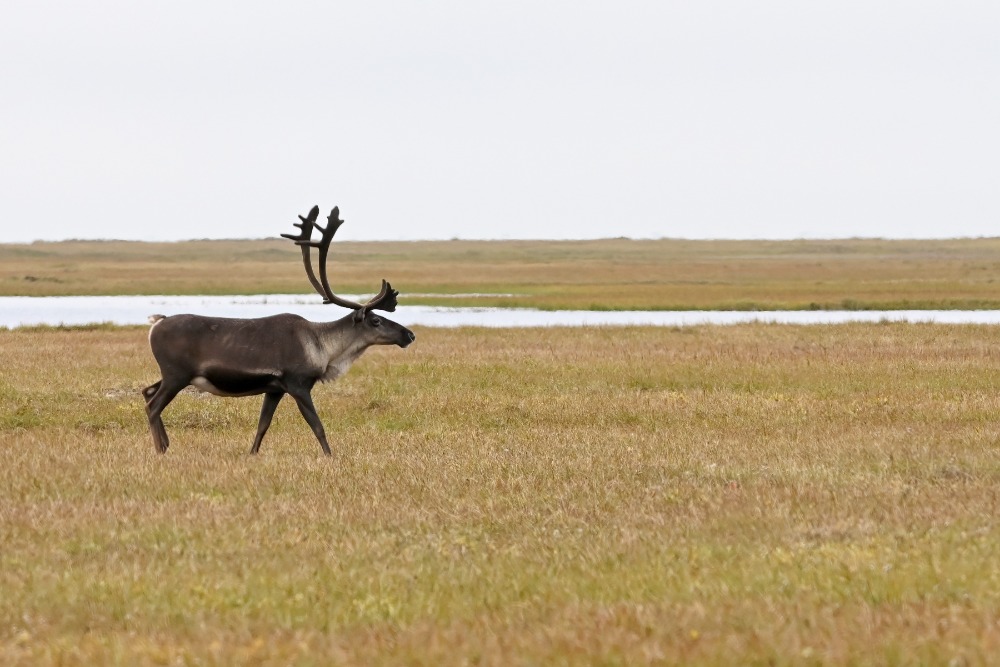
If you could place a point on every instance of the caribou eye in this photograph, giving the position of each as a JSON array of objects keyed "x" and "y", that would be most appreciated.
[{"x": 376, "y": 321}]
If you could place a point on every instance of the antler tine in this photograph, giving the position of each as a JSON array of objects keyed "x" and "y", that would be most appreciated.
[
  {"x": 384, "y": 300},
  {"x": 305, "y": 226},
  {"x": 303, "y": 240}
]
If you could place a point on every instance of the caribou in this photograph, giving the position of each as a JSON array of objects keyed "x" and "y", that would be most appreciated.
[{"x": 273, "y": 356}]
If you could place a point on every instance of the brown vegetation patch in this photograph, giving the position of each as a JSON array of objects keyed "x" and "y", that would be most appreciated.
[{"x": 745, "y": 494}]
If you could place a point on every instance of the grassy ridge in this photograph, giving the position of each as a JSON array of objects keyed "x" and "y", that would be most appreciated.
[
  {"x": 606, "y": 274},
  {"x": 754, "y": 493}
]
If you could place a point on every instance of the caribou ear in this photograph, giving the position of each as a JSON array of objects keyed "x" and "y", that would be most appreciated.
[{"x": 359, "y": 315}]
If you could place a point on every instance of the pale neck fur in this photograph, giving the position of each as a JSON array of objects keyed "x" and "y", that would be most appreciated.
[{"x": 341, "y": 347}]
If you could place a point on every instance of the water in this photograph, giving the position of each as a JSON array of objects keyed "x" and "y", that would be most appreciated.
[{"x": 19, "y": 311}]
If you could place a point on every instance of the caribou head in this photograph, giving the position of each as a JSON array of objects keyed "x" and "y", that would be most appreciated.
[{"x": 274, "y": 356}]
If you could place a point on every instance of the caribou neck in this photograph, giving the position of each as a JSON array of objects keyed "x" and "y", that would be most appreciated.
[{"x": 341, "y": 346}]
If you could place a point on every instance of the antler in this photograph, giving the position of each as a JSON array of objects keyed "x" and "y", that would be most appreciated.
[
  {"x": 303, "y": 241},
  {"x": 384, "y": 300}
]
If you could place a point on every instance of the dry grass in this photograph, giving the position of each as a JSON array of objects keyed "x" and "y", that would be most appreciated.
[
  {"x": 717, "y": 495},
  {"x": 608, "y": 274}
]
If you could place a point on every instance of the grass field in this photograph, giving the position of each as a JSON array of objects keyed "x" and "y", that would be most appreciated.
[
  {"x": 717, "y": 495},
  {"x": 607, "y": 274}
]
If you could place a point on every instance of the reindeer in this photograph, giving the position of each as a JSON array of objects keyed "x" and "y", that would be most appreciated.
[{"x": 274, "y": 356}]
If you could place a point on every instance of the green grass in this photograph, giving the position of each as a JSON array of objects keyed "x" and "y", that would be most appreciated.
[
  {"x": 717, "y": 495},
  {"x": 605, "y": 274}
]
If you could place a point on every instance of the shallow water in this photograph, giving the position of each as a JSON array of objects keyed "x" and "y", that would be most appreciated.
[{"x": 74, "y": 310}]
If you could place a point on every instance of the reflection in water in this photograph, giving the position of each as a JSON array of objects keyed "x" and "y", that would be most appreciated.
[{"x": 74, "y": 310}]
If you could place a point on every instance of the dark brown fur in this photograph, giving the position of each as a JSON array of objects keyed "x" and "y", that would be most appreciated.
[{"x": 274, "y": 356}]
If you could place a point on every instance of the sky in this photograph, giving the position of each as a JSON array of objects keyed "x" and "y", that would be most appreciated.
[{"x": 532, "y": 119}]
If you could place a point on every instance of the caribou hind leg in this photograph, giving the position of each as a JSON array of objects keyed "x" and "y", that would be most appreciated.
[
  {"x": 157, "y": 396},
  {"x": 271, "y": 400},
  {"x": 151, "y": 389},
  {"x": 159, "y": 433}
]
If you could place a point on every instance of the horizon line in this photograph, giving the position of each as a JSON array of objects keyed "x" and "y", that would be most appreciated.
[{"x": 784, "y": 239}]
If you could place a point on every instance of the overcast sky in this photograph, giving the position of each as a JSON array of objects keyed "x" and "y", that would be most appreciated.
[{"x": 540, "y": 119}]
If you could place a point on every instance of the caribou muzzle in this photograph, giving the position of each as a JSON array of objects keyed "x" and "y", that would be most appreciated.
[{"x": 407, "y": 338}]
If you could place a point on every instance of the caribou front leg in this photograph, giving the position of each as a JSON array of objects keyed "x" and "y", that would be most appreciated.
[
  {"x": 304, "y": 400},
  {"x": 271, "y": 400}
]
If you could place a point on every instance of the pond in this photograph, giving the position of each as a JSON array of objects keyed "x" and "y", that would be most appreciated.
[{"x": 77, "y": 310}]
